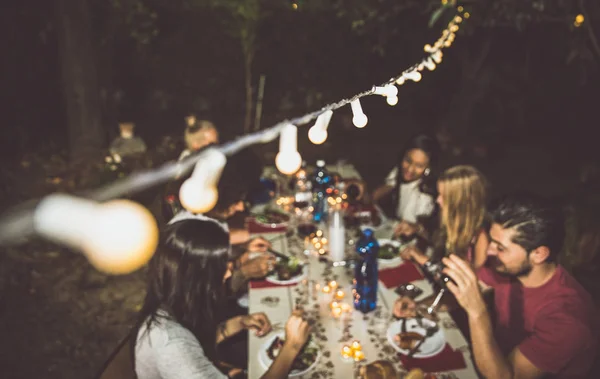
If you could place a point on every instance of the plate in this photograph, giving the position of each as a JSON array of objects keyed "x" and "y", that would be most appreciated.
[
  {"x": 390, "y": 262},
  {"x": 273, "y": 225},
  {"x": 272, "y": 278},
  {"x": 266, "y": 362},
  {"x": 432, "y": 345}
]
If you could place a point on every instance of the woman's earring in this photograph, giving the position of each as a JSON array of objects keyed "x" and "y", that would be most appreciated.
[{"x": 427, "y": 171}]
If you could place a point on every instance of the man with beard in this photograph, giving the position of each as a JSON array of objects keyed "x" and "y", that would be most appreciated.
[{"x": 545, "y": 324}]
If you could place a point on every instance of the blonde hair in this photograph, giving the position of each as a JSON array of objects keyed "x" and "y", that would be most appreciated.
[
  {"x": 463, "y": 211},
  {"x": 195, "y": 131}
]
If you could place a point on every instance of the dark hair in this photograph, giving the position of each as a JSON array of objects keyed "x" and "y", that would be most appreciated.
[
  {"x": 536, "y": 221},
  {"x": 186, "y": 279},
  {"x": 431, "y": 148},
  {"x": 232, "y": 186}
]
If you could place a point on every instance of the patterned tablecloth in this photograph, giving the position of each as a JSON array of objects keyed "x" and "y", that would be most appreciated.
[{"x": 331, "y": 333}]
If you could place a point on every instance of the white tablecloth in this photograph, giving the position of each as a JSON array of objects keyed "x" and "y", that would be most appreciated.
[{"x": 330, "y": 333}]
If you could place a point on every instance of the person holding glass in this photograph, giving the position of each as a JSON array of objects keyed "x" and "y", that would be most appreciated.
[
  {"x": 181, "y": 322},
  {"x": 408, "y": 192}
]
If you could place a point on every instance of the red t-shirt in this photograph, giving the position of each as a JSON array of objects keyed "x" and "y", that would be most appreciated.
[{"x": 553, "y": 325}]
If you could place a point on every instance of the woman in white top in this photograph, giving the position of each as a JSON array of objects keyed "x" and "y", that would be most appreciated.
[
  {"x": 411, "y": 184},
  {"x": 181, "y": 322}
]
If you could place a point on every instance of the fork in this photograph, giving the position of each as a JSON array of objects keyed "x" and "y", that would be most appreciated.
[{"x": 429, "y": 332}]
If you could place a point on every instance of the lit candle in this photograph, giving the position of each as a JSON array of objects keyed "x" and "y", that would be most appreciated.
[
  {"x": 318, "y": 245},
  {"x": 334, "y": 304},
  {"x": 336, "y": 312},
  {"x": 326, "y": 289},
  {"x": 315, "y": 240},
  {"x": 339, "y": 294},
  {"x": 347, "y": 351},
  {"x": 319, "y": 233},
  {"x": 322, "y": 251},
  {"x": 324, "y": 241},
  {"x": 358, "y": 355},
  {"x": 345, "y": 307},
  {"x": 356, "y": 346},
  {"x": 333, "y": 284}
]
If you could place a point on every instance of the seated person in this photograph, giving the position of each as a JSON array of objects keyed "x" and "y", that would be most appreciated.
[
  {"x": 411, "y": 183},
  {"x": 198, "y": 134},
  {"x": 127, "y": 144},
  {"x": 545, "y": 321},
  {"x": 462, "y": 197},
  {"x": 180, "y": 324}
]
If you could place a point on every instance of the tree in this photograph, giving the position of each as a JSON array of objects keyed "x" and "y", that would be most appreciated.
[{"x": 80, "y": 82}]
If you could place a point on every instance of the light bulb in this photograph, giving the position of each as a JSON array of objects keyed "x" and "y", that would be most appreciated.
[
  {"x": 359, "y": 119},
  {"x": 117, "y": 237},
  {"x": 198, "y": 194},
  {"x": 427, "y": 48},
  {"x": 392, "y": 100},
  {"x": 454, "y": 28},
  {"x": 413, "y": 75},
  {"x": 437, "y": 56},
  {"x": 317, "y": 135},
  {"x": 400, "y": 81},
  {"x": 288, "y": 162},
  {"x": 430, "y": 64},
  {"x": 388, "y": 90}
]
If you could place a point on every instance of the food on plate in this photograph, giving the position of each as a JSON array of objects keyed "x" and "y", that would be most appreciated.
[
  {"x": 415, "y": 373},
  {"x": 288, "y": 268},
  {"x": 408, "y": 340},
  {"x": 388, "y": 251},
  {"x": 306, "y": 357},
  {"x": 379, "y": 370},
  {"x": 272, "y": 216}
]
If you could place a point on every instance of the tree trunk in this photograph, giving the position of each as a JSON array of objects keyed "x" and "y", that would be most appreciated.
[
  {"x": 248, "y": 58},
  {"x": 80, "y": 83}
]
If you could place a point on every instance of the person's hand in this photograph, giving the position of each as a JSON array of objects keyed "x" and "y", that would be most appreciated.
[
  {"x": 258, "y": 267},
  {"x": 259, "y": 322},
  {"x": 405, "y": 229},
  {"x": 259, "y": 244},
  {"x": 466, "y": 290},
  {"x": 405, "y": 307},
  {"x": 409, "y": 252},
  {"x": 297, "y": 331}
]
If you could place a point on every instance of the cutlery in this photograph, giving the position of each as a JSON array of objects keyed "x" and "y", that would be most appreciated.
[{"x": 429, "y": 332}]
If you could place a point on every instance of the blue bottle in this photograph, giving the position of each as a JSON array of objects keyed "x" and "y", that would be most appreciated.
[
  {"x": 365, "y": 273},
  {"x": 321, "y": 182}
]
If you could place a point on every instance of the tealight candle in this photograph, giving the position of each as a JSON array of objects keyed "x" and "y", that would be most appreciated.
[
  {"x": 319, "y": 233},
  {"x": 339, "y": 294},
  {"x": 347, "y": 352},
  {"x": 334, "y": 304},
  {"x": 336, "y": 312},
  {"x": 356, "y": 346},
  {"x": 315, "y": 240},
  {"x": 322, "y": 251},
  {"x": 333, "y": 284},
  {"x": 358, "y": 355},
  {"x": 326, "y": 289},
  {"x": 345, "y": 307},
  {"x": 318, "y": 245}
]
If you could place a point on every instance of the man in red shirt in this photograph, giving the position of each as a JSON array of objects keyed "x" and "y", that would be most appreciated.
[{"x": 544, "y": 320}]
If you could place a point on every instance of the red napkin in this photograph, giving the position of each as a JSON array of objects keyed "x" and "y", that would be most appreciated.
[
  {"x": 254, "y": 227},
  {"x": 446, "y": 360},
  {"x": 405, "y": 273},
  {"x": 255, "y": 284}
]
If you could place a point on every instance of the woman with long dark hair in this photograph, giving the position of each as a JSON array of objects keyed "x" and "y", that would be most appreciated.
[
  {"x": 182, "y": 322},
  {"x": 411, "y": 184}
]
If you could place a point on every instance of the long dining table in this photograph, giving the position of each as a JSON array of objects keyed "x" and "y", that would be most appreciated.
[{"x": 331, "y": 332}]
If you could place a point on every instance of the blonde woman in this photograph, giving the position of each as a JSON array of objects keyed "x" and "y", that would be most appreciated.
[{"x": 462, "y": 193}]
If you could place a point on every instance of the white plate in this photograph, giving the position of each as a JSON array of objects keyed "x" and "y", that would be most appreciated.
[
  {"x": 266, "y": 362},
  {"x": 296, "y": 279},
  {"x": 390, "y": 262},
  {"x": 432, "y": 345},
  {"x": 272, "y": 224}
]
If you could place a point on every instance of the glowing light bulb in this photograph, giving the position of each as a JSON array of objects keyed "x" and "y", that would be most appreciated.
[
  {"x": 458, "y": 19},
  {"x": 288, "y": 160},
  {"x": 317, "y": 134},
  {"x": 437, "y": 56},
  {"x": 392, "y": 100},
  {"x": 117, "y": 237},
  {"x": 388, "y": 90},
  {"x": 454, "y": 28},
  {"x": 359, "y": 119},
  {"x": 400, "y": 81},
  {"x": 198, "y": 194},
  {"x": 427, "y": 48},
  {"x": 579, "y": 19},
  {"x": 414, "y": 75},
  {"x": 430, "y": 64}
]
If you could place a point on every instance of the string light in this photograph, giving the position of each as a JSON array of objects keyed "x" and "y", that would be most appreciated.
[
  {"x": 390, "y": 92},
  {"x": 117, "y": 237},
  {"x": 317, "y": 134},
  {"x": 359, "y": 119},
  {"x": 414, "y": 75},
  {"x": 579, "y": 19},
  {"x": 288, "y": 160},
  {"x": 198, "y": 194}
]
